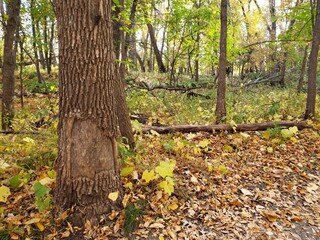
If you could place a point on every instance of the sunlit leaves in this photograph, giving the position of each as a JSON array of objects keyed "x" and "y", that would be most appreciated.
[
  {"x": 167, "y": 185},
  {"x": 165, "y": 169},
  {"x": 4, "y": 193},
  {"x": 43, "y": 200},
  {"x": 126, "y": 171},
  {"x": 148, "y": 176}
]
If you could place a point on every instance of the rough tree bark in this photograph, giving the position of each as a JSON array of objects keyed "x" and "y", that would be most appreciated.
[
  {"x": 9, "y": 62},
  {"x": 312, "y": 71},
  {"x": 87, "y": 165},
  {"x": 222, "y": 72}
]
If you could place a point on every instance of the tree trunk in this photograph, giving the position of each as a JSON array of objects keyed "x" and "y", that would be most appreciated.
[
  {"x": 120, "y": 96},
  {"x": 34, "y": 43},
  {"x": 312, "y": 71},
  {"x": 50, "y": 48},
  {"x": 303, "y": 69},
  {"x": 9, "y": 62},
  {"x": 126, "y": 42},
  {"x": 222, "y": 72},
  {"x": 87, "y": 166},
  {"x": 156, "y": 51}
]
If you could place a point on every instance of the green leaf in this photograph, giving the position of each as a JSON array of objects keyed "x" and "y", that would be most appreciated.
[
  {"x": 4, "y": 193},
  {"x": 168, "y": 146},
  {"x": 16, "y": 182},
  {"x": 52, "y": 174},
  {"x": 40, "y": 190},
  {"x": 126, "y": 171}
]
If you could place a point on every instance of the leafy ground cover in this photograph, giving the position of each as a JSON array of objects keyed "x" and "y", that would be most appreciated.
[{"x": 254, "y": 185}]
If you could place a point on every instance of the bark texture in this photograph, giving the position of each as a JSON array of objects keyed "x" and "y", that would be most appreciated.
[
  {"x": 313, "y": 63},
  {"x": 9, "y": 62},
  {"x": 222, "y": 72},
  {"x": 87, "y": 166}
]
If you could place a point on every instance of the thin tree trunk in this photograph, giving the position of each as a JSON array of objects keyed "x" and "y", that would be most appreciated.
[
  {"x": 51, "y": 51},
  {"x": 40, "y": 45},
  {"x": 154, "y": 44},
  {"x": 120, "y": 96},
  {"x": 126, "y": 43},
  {"x": 9, "y": 62},
  {"x": 303, "y": 69},
  {"x": 312, "y": 71},
  {"x": 34, "y": 43},
  {"x": 87, "y": 167},
  {"x": 222, "y": 72}
]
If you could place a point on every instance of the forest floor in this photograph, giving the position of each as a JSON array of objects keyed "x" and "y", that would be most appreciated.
[
  {"x": 226, "y": 186},
  {"x": 222, "y": 185}
]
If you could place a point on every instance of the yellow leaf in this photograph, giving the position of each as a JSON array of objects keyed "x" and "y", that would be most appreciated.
[
  {"x": 173, "y": 206},
  {"x": 148, "y": 176},
  {"x": 210, "y": 168},
  {"x": 126, "y": 171},
  {"x": 228, "y": 148},
  {"x": 196, "y": 150},
  {"x": 4, "y": 193},
  {"x": 165, "y": 169},
  {"x": 113, "y": 196},
  {"x": 167, "y": 185},
  {"x": 128, "y": 185},
  {"x": 161, "y": 238},
  {"x": 203, "y": 143},
  {"x": 223, "y": 169},
  {"x": 40, "y": 226},
  {"x": 266, "y": 135},
  {"x": 293, "y": 140},
  {"x": 294, "y": 129},
  {"x": 269, "y": 149}
]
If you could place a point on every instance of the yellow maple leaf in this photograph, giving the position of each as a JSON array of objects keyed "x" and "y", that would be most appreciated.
[
  {"x": 165, "y": 169},
  {"x": 148, "y": 176},
  {"x": 167, "y": 185}
]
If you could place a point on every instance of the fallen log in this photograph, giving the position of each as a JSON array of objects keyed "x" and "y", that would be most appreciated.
[{"x": 224, "y": 127}]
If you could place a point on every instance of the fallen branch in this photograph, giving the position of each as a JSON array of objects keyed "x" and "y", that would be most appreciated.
[
  {"x": 262, "y": 80},
  {"x": 224, "y": 127}
]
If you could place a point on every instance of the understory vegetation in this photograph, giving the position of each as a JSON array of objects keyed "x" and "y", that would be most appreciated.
[{"x": 177, "y": 186}]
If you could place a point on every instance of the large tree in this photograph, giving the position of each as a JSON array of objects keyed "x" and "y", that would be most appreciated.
[
  {"x": 313, "y": 63},
  {"x": 87, "y": 165},
  {"x": 9, "y": 61},
  {"x": 222, "y": 72}
]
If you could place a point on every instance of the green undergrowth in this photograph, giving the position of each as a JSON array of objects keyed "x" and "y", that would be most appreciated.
[{"x": 260, "y": 104}]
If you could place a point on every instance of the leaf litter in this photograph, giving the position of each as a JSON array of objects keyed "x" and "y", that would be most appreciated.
[{"x": 223, "y": 186}]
